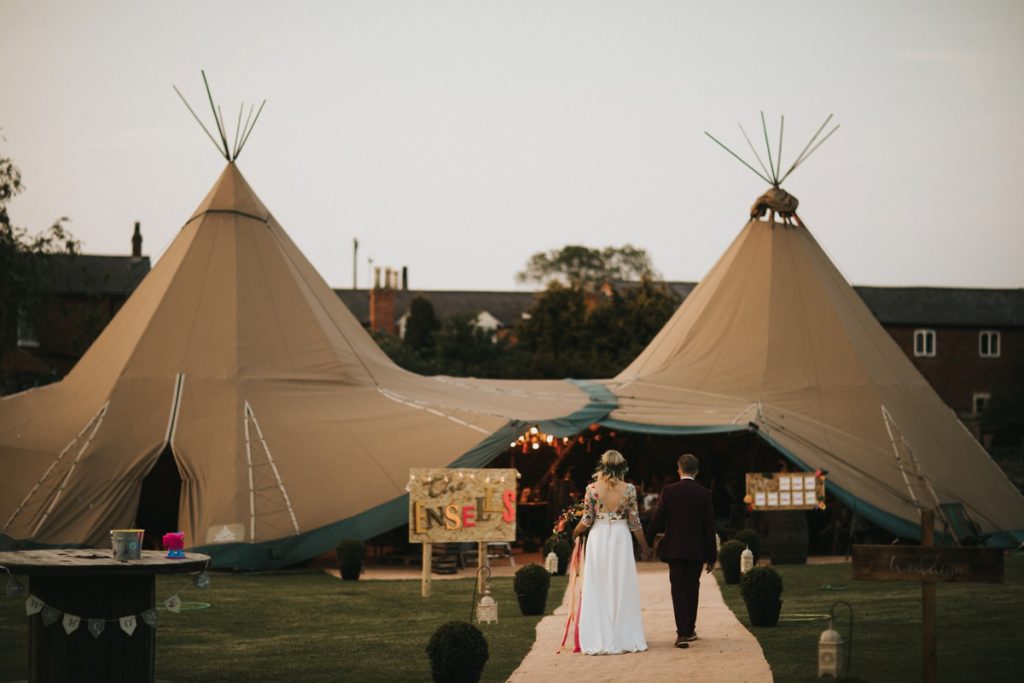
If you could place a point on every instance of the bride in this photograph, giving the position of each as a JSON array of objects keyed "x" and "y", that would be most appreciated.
[{"x": 609, "y": 613}]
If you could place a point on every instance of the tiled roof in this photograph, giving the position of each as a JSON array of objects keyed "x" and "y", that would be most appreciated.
[
  {"x": 507, "y": 307},
  {"x": 945, "y": 306},
  {"x": 94, "y": 274}
]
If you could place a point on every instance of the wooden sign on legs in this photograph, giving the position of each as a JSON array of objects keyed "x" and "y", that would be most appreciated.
[{"x": 929, "y": 565}]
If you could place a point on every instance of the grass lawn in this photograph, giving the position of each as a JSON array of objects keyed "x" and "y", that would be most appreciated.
[
  {"x": 980, "y": 626},
  {"x": 307, "y": 626}
]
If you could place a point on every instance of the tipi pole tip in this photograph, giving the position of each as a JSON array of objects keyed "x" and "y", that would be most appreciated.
[
  {"x": 768, "y": 146},
  {"x": 242, "y": 132},
  {"x": 738, "y": 158}
]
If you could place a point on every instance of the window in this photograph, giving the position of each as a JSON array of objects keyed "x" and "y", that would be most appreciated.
[
  {"x": 924, "y": 343},
  {"x": 27, "y": 337},
  {"x": 988, "y": 344},
  {"x": 979, "y": 401}
]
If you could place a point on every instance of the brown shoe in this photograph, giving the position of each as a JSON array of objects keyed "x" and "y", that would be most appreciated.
[{"x": 681, "y": 643}]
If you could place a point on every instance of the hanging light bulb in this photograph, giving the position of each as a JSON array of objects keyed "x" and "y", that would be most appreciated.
[
  {"x": 536, "y": 446},
  {"x": 533, "y": 430}
]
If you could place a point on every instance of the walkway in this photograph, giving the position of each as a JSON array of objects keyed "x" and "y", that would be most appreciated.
[{"x": 725, "y": 652}]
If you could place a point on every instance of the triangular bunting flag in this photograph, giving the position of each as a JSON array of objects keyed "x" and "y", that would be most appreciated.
[
  {"x": 173, "y": 604},
  {"x": 14, "y": 587},
  {"x": 71, "y": 623},
  {"x": 128, "y": 624},
  {"x": 50, "y": 615},
  {"x": 96, "y": 627},
  {"x": 149, "y": 617},
  {"x": 202, "y": 580},
  {"x": 33, "y": 605}
]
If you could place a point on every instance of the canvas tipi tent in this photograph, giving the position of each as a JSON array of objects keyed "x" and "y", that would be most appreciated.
[
  {"x": 775, "y": 340},
  {"x": 235, "y": 369}
]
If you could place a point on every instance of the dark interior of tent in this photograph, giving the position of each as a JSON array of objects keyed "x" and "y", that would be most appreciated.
[
  {"x": 159, "y": 500},
  {"x": 555, "y": 475}
]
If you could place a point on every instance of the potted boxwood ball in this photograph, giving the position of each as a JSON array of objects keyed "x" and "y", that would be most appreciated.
[
  {"x": 752, "y": 540},
  {"x": 458, "y": 652},
  {"x": 351, "y": 552},
  {"x": 729, "y": 559},
  {"x": 531, "y": 585},
  {"x": 562, "y": 548},
  {"x": 761, "y": 588}
]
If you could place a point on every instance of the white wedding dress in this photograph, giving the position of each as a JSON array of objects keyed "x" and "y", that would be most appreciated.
[{"x": 609, "y": 613}]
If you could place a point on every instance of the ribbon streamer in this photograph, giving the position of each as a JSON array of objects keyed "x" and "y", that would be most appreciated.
[{"x": 575, "y": 595}]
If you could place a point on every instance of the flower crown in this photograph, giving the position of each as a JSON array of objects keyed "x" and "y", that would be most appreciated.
[{"x": 617, "y": 471}]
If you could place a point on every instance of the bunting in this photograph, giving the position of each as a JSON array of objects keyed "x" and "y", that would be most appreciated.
[{"x": 128, "y": 623}]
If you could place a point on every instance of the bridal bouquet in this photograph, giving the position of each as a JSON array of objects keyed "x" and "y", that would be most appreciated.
[{"x": 568, "y": 520}]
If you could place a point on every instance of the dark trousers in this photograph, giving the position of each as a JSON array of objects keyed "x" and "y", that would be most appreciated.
[{"x": 685, "y": 578}]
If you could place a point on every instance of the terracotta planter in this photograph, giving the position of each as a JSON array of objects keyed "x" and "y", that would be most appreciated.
[
  {"x": 764, "y": 613},
  {"x": 532, "y": 604},
  {"x": 351, "y": 572}
]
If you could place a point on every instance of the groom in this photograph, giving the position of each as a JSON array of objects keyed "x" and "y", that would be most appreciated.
[{"x": 684, "y": 511}]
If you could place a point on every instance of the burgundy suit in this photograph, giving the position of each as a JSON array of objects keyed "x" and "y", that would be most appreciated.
[{"x": 685, "y": 513}]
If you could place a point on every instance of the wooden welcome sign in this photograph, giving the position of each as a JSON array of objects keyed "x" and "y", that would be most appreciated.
[
  {"x": 462, "y": 505},
  {"x": 927, "y": 565},
  {"x": 932, "y": 564}
]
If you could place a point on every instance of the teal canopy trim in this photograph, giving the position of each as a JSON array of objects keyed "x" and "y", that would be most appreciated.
[
  {"x": 671, "y": 430},
  {"x": 395, "y": 513}
]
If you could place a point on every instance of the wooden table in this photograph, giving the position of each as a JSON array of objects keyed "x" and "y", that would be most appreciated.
[{"x": 91, "y": 584}]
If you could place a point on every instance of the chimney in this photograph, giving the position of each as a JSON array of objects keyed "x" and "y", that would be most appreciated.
[
  {"x": 382, "y": 303},
  {"x": 405, "y": 278},
  {"x": 137, "y": 242}
]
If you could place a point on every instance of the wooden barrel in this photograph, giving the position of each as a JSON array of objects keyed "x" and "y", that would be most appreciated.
[{"x": 788, "y": 538}]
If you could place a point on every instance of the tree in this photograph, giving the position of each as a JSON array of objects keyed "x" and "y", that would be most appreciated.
[
  {"x": 24, "y": 270},
  {"x": 421, "y": 326},
  {"x": 573, "y": 333},
  {"x": 577, "y": 265}
]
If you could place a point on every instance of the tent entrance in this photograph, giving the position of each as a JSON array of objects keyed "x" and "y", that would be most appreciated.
[{"x": 158, "y": 503}]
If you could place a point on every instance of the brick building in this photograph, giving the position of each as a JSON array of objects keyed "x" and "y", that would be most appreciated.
[{"x": 82, "y": 294}]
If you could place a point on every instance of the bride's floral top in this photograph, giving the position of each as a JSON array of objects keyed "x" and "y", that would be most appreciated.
[{"x": 593, "y": 508}]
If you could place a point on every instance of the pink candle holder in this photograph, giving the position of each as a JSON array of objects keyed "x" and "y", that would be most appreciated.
[{"x": 174, "y": 543}]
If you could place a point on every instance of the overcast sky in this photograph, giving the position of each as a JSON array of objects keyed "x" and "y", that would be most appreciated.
[{"x": 458, "y": 138}]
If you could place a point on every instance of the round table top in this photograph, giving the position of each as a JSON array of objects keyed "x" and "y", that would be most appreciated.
[{"x": 69, "y": 561}]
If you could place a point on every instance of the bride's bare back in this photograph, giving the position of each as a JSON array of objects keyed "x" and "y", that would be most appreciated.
[{"x": 610, "y": 493}]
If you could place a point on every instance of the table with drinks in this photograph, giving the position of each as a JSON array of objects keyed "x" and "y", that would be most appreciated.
[{"x": 92, "y": 585}]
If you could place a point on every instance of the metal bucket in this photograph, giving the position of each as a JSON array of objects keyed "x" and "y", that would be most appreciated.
[{"x": 127, "y": 543}]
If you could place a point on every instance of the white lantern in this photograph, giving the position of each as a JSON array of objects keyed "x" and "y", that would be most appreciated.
[
  {"x": 487, "y": 610},
  {"x": 551, "y": 563},
  {"x": 746, "y": 561},
  {"x": 830, "y": 653}
]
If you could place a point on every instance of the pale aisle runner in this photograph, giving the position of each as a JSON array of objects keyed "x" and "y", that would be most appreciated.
[{"x": 725, "y": 652}]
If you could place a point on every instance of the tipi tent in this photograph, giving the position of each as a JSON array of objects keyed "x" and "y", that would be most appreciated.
[
  {"x": 235, "y": 367},
  {"x": 775, "y": 340}
]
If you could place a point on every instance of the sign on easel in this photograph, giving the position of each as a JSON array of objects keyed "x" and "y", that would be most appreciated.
[
  {"x": 768, "y": 491},
  {"x": 459, "y": 506},
  {"x": 928, "y": 565}
]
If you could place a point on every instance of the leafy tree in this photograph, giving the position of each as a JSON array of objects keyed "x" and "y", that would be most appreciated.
[
  {"x": 24, "y": 270},
  {"x": 465, "y": 350},
  {"x": 582, "y": 266},
  {"x": 573, "y": 333},
  {"x": 421, "y": 325}
]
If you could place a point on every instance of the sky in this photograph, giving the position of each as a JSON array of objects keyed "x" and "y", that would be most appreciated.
[{"x": 457, "y": 138}]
